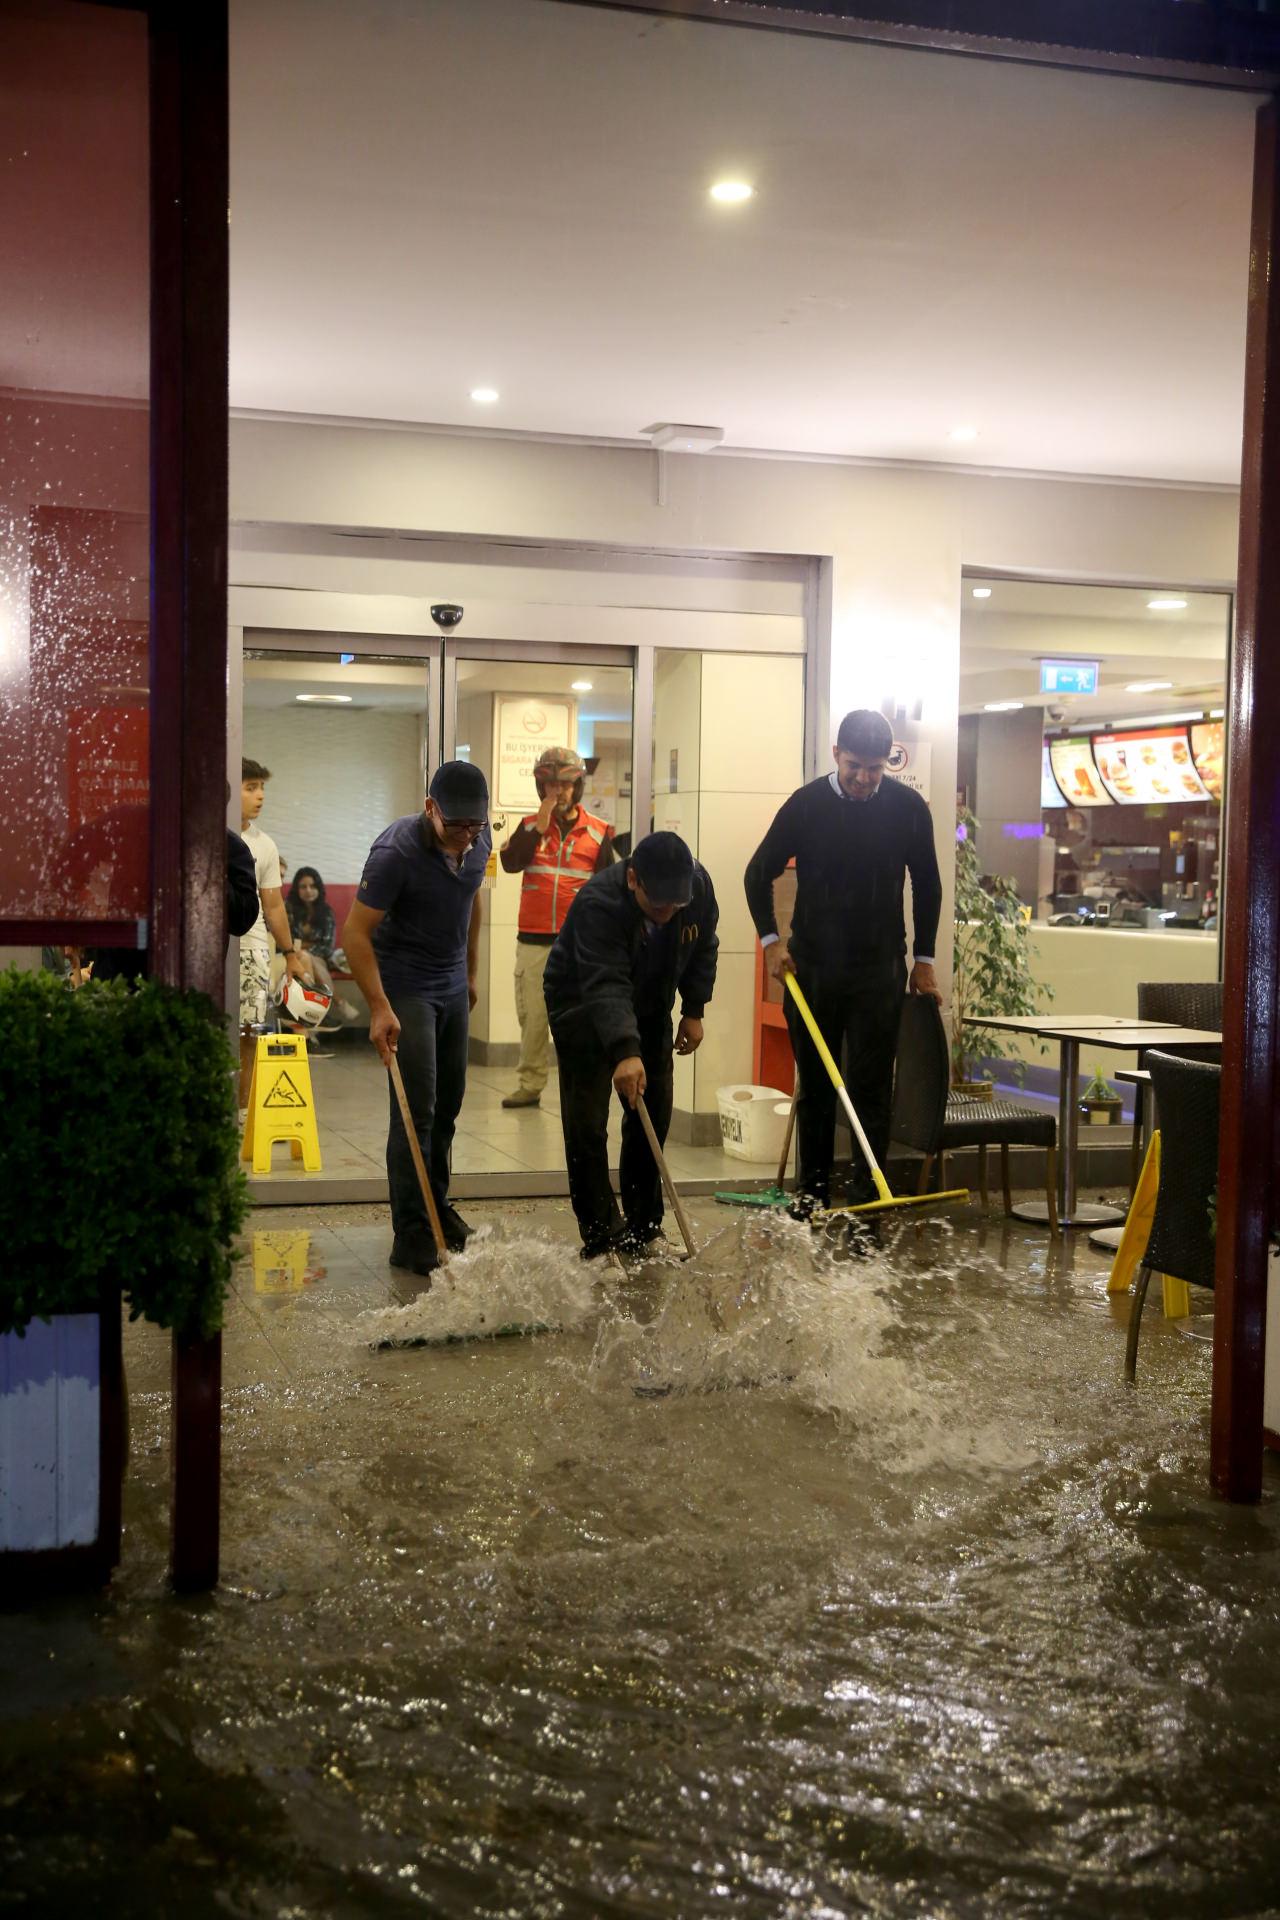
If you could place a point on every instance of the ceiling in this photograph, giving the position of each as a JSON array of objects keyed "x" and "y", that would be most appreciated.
[
  {"x": 1004, "y": 637},
  {"x": 432, "y": 195},
  {"x": 275, "y": 680}
]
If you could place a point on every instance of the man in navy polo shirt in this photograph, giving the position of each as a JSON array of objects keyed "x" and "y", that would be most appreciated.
[{"x": 411, "y": 940}]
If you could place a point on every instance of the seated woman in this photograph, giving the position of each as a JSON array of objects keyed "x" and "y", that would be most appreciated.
[{"x": 315, "y": 932}]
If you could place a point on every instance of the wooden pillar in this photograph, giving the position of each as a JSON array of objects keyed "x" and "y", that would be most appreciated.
[
  {"x": 1246, "y": 1182},
  {"x": 189, "y": 199}
]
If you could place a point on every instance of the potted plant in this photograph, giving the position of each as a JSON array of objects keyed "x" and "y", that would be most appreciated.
[
  {"x": 1100, "y": 1104},
  {"x": 120, "y": 1179},
  {"x": 991, "y": 965}
]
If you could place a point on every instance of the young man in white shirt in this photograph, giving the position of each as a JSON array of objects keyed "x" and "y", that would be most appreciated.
[{"x": 272, "y": 921}]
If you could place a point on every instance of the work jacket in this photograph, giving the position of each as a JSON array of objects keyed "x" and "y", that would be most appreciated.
[
  {"x": 560, "y": 866},
  {"x": 607, "y": 969}
]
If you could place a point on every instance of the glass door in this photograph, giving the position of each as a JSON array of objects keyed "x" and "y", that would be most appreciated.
[{"x": 503, "y": 706}]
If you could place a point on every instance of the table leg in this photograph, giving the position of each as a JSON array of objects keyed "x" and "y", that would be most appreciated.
[{"x": 1071, "y": 1212}]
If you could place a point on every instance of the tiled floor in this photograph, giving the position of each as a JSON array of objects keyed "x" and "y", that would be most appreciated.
[{"x": 351, "y": 1096}]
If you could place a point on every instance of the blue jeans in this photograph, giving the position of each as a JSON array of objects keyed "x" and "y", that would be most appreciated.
[{"x": 432, "y": 1051}]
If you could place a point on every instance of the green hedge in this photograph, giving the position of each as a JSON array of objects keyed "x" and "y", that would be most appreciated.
[{"x": 119, "y": 1165}]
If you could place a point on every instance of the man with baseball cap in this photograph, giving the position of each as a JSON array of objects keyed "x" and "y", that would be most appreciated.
[
  {"x": 557, "y": 849},
  {"x": 412, "y": 939},
  {"x": 636, "y": 935},
  {"x": 853, "y": 835}
]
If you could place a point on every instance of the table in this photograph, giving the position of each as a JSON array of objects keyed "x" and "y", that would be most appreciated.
[{"x": 1072, "y": 1031}]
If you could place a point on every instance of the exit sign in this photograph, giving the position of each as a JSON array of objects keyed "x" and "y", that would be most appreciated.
[{"x": 1068, "y": 676}]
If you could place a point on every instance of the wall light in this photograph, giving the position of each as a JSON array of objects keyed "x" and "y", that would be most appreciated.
[
  {"x": 324, "y": 699},
  {"x": 1167, "y": 603},
  {"x": 732, "y": 193}
]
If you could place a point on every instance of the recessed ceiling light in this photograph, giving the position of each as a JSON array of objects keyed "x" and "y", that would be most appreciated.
[
  {"x": 580, "y": 686},
  {"x": 484, "y": 396},
  {"x": 324, "y": 699},
  {"x": 731, "y": 193},
  {"x": 982, "y": 593},
  {"x": 963, "y": 433},
  {"x": 1002, "y": 706},
  {"x": 1217, "y": 713},
  {"x": 1148, "y": 686},
  {"x": 1166, "y": 604}
]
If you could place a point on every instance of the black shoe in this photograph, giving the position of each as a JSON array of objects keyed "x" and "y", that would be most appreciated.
[
  {"x": 601, "y": 1249},
  {"x": 804, "y": 1207},
  {"x": 416, "y": 1252},
  {"x": 455, "y": 1229}
]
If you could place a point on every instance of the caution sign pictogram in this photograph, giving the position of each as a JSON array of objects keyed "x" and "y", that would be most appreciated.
[
  {"x": 284, "y": 1093},
  {"x": 281, "y": 1105}
]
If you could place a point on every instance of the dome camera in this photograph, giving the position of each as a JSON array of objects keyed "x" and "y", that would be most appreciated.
[
  {"x": 1055, "y": 713},
  {"x": 446, "y": 616}
]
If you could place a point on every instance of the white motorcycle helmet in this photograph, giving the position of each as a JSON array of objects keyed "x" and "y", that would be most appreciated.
[{"x": 301, "y": 1003}]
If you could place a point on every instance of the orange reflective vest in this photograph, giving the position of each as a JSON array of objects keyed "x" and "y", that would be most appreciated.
[{"x": 557, "y": 870}]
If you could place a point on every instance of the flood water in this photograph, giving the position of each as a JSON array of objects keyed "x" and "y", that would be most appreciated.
[{"x": 792, "y": 1584}]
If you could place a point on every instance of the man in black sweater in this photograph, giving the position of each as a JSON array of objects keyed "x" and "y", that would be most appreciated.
[
  {"x": 852, "y": 834},
  {"x": 635, "y": 934}
]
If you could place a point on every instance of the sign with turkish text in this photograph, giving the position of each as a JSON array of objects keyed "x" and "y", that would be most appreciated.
[
  {"x": 909, "y": 762},
  {"x": 525, "y": 728}
]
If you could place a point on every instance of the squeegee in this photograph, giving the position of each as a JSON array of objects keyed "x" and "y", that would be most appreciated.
[{"x": 885, "y": 1198}]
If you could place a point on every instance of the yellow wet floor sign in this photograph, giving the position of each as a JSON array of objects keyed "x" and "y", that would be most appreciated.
[
  {"x": 1137, "y": 1231},
  {"x": 281, "y": 1105},
  {"x": 280, "y": 1261}
]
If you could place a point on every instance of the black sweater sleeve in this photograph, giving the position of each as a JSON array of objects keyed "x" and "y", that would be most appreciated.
[
  {"x": 770, "y": 858},
  {"x": 926, "y": 881},
  {"x": 243, "y": 904}
]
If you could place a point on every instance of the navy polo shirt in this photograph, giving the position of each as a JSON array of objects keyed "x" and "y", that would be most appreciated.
[{"x": 427, "y": 898}]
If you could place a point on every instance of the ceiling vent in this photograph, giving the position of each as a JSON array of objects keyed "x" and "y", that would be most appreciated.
[{"x": 672, "y": 437}]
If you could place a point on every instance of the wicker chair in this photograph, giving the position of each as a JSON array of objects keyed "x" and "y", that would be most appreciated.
[
  {"x": 928, "y": 1117},
  {"x": 1181, "y": 1243},
  {"x": 1184, "y": 1003}
]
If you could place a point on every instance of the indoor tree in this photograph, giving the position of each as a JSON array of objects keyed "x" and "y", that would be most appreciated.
[{"x": 992, "y": 962}]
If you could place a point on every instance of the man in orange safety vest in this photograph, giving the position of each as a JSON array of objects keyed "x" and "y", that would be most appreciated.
[{"x": 557, "y": 849}]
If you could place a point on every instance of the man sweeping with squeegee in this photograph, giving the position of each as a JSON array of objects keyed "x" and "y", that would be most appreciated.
[{"x": 853, "y": 835}]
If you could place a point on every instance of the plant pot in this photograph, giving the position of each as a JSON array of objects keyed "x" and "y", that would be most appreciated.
[
  {"x": 974, "y": 1090},
  {"x": 61, "y": 1452},
  {"x": 1101, "y": 1113}
]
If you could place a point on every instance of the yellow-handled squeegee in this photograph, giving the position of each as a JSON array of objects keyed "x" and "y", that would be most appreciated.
[{"x": 885, "y": 1198}]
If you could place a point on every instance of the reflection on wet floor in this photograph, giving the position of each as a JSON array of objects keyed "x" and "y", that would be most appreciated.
[{"x": 889, "y": 1598}]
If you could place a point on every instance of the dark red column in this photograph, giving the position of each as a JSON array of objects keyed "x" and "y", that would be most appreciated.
[
  {"x": 1246, "y": 1188},
  {"x": 189, "y": 200}
]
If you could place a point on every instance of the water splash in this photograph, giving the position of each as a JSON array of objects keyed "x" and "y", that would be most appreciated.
[{"x": 502, "y": 1281}]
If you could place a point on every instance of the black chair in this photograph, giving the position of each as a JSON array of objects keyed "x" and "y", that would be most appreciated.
[
  {"x": 1183, "y": 1003},
  {"x": 930, "y": 1118},
  {"x": 1181, "y": 1241}
]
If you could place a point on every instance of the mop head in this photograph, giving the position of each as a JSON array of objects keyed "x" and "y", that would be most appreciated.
[
  {"x": 400, "y": 1343},
  {"x": 954, "y": 1197},
  {"x": 766, "y": 1197}
]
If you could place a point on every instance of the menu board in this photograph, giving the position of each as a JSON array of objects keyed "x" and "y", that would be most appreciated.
[
  {"x": 1207, "y": 747},
  {"x": 1076, "y": 774},
  {"x": 1148, "y": 769},
  {"x": 1050, "y": 793}
]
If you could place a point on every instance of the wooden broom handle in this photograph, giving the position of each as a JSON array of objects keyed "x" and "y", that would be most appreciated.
[
  {"x": 428, "y": 1197},
  {"x": 667, "y": 1181}
]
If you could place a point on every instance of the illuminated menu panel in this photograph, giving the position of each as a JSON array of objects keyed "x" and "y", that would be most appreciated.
[
  {"x": 1076, "y": 774},
  {"x": 1149, "y": 768},
  {"x": 1050, "y": 793},
  {"x": 1207, "y": 748}
]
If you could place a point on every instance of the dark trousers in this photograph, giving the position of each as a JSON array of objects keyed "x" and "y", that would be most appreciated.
[
  {"x": 586, "y": 1086},
  {"x": 432, "y": 1051},
  {"x": 857, "y": 1009}
]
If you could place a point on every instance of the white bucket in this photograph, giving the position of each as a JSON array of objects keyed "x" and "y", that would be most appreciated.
[{"x": 753, "y": 1122}]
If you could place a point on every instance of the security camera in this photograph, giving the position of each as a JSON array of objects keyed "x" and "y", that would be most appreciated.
[
  {"x": 446, "y": 616},
  {"x": 1055, "y": 713}
]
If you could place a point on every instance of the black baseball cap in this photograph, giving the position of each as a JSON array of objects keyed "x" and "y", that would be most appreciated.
[
  {"x": 460, "y": 791},
  {"x": 663, "y": 865}
]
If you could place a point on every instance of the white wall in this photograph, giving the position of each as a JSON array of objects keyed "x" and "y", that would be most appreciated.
[{"x": 337, "y": 779}]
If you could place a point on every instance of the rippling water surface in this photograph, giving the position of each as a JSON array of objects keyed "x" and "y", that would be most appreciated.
[{"x": 790, "y": 1583}]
